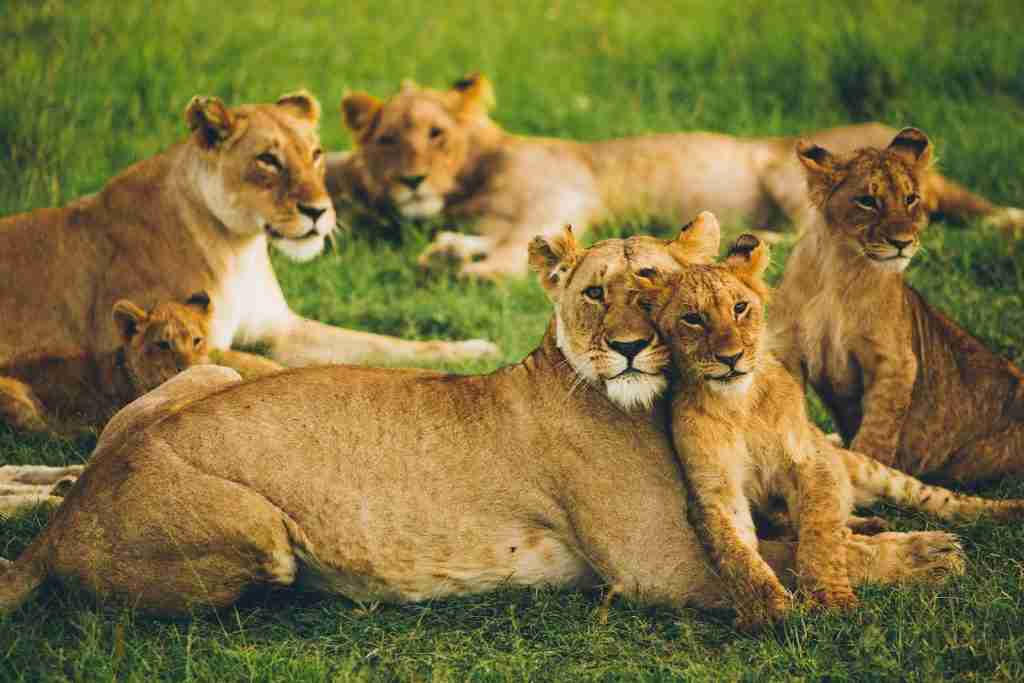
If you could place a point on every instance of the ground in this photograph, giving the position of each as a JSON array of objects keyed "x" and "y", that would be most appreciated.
[{"x": 91, "y": 86}]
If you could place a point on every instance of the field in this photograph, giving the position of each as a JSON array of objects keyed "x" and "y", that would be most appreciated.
[{"x": 92, "y": 86}]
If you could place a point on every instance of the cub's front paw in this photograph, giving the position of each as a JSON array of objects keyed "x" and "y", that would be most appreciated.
[
  {"x": 757, "y": 613},
  {"x": 837, "y": 598}
]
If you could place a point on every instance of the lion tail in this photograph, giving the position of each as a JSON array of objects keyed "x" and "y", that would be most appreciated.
[{"x": 872, "y": 481}]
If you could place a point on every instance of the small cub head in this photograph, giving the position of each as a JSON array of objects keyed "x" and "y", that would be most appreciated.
[
  {"x": 261, "y": 170},
  {"x": 163, "y": 342},
  {"x": 712, "y": 316},
  {"x": 414, "y": 146},
  {"x": 873, "y": 198}
]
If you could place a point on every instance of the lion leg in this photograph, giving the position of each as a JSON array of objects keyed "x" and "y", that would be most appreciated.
[
  {"x": 453, "y": 249},
  {"x": 248, "y": 365},
  {"x": 994, "y": 456},
  {"x": 19, "y": 406},
  {"x": 952, "y": 199},
  {"x": 508, "y": 259},
  {"x": 170, "y": 539}
]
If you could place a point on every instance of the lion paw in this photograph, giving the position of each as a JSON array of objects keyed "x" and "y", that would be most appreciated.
[
  {"x": 1008, "y": 219},
  {"x": 918, "y": 556},
  {"x": 867, "y": 526},
  {"x": 473, "y": 349},
  {"x": 757, "y": 614}
]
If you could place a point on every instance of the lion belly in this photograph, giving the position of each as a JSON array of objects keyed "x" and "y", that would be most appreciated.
[{"x": 513, "y": 557}]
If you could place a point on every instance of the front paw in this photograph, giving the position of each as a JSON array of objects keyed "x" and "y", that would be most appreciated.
[
  {"x": 758, "y": 612},
  {"x": 834, "y": 598}
]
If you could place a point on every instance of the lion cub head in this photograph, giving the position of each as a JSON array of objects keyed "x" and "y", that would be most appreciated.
[
  {"x": 605, "y": 335},
  {"x": 872, "y": 199},
  {"x": 414, "y": 147},
  {"x": 712, "y": 315},
  {"x": 163, "y": 342},
  {"x": 260, "y": 169}
]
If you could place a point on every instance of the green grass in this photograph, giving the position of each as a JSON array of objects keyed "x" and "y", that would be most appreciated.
[{"x": 89, "y": 87}]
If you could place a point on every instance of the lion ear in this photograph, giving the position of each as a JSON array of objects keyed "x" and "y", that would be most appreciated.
[
  {"x": 472, "y": 95},
  {"x": 652, "y": 292},
  {"x": 821, "y": 169},
  {"x": 200, "y": 301},
  {"x": 748, "y": 259},
  {"x": 210, "y": 120},
  {"x": 913, "y": 146},
  {"x": 128, "y": 317},
  {"x": 358, "y": 110},
  {"x": 552, "y": 258},
  {"x": 698, "y": 240},
  {"x": 302, "y": 104}
]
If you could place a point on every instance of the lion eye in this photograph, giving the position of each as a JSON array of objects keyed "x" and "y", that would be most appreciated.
[
  {"x": 647, "y": 272},
  {"x": 387, "y": 140},
  {"x": 197, "y": 341},
  {"x": 317, "y": 153},
  {"x": 164, "y": 345},
  {"x": 866, "y": 202},
  {"x": 912, "y": 199},
  {"x": 693, "y": 319},
  {"x": 435, "y": 133},
  {"x": 594, "y": 293},
  {"x": 740, "y": 308},
  {"x": 268, "y": 159}
]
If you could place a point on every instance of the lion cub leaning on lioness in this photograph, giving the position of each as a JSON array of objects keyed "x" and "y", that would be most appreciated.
[
  {"x": 75, "y": 391},
  {"x": 742, "y": 434}
]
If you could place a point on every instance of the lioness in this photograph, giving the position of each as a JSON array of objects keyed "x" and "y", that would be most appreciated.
[
  {"x": 399, "y": 485},
  {"x": 426, "y": 153},
  {"x": 196, "y": 217},
  {"x": 905, "y": 384},
  {"x": 742, "y": 434}
]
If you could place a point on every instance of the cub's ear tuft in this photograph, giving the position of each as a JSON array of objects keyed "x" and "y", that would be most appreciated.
[
  {"x": 698, "y": 240},
  {"x": 200, "y": 300},
  {"x": 552, "y": 258},
  {"x": 472, "y": 95},
  {"x": 748, "y": 259},
  {"x": 128, "y": 317},
  {"x": 359, "y": 109},
  {"x": 913, "y": 146},
  {"x": 302, "y": 104},
  {"x": 210, "y": 120}
]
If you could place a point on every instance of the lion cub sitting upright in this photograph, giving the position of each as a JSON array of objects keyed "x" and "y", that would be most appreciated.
[
  {"x": 905, "y": 384},
  {"x": 741, "y": 431},
  {"x": 74, "y": 391}
]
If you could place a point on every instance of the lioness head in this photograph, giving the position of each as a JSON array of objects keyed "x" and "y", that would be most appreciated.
[
  {"x": 163, "y": 342},
  {"x": 712, "y": 315},
  {"x": 414, "y": 146},
  {"x": 261, "y": 170},
  {"x": 872, "y": 198},
  {"x": 604, "y": 334}
]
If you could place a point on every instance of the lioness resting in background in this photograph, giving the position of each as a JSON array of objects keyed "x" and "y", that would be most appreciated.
[
  {"x": 905, "y": 384},
  {"x": 402, "y": 485},
  {"x": 194, "y": 218},
  {"x": 428, "y": 153},
  {"x": 742, "y": 434}
]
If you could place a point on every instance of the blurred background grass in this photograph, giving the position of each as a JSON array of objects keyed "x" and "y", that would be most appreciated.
[{"x": 90, "y": 87}]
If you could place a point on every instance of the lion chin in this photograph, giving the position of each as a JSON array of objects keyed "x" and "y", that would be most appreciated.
[
  {"x": 300, "y": 250},
  {"x": 635, "y": 390},
  {"x": 733, "y": 388},
  {"x": 420, "y": 207}
]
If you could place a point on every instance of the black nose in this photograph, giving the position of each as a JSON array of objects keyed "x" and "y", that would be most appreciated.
[
  {"x": 412, "y": 181},
  {"x": 731, "y": 361},
  {"x": 631, "y": 348},
  {"x": 312, "y": 211},
  {"x": 900, "y": 244}
]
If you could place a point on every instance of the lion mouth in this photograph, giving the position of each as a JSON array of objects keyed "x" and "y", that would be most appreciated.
[
  {"x": 276, "y": 235},
  {"x": 728, "y": 376},
  {"x": 631, "y": 371}
]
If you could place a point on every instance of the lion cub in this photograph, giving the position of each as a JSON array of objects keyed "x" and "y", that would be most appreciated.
[
  {"x": 68, "y": 393},
  {"x": 741, "y": 431},
  {"x": 905, "y": 384}
]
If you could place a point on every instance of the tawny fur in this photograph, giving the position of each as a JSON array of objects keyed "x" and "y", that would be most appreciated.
[
  {"x": 742, "y": 434},
  {"x": 905, "y": 384},
  {"x": 425, "y": 153},
  {"x": 402, "y": 485},
  {"x": 196, "y": 217}
]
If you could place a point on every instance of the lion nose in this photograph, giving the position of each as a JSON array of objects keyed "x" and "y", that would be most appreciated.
[
  {"x": 314, "y": 212},
  {"x": 629, "y": 349},
  {"x": 412, "y": 181},
  {"x": 731, "y": 361},
  {"x": 900, "y": 244}
]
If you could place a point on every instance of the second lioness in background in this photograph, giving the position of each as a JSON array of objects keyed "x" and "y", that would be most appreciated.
[
  {"x": 426, "y": 153},
  {"x": 905, "y": 383},
  {"x": 742, "y": 434}
]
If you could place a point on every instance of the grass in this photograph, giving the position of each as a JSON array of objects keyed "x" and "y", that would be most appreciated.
[{"x": 91, "y": 86}]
